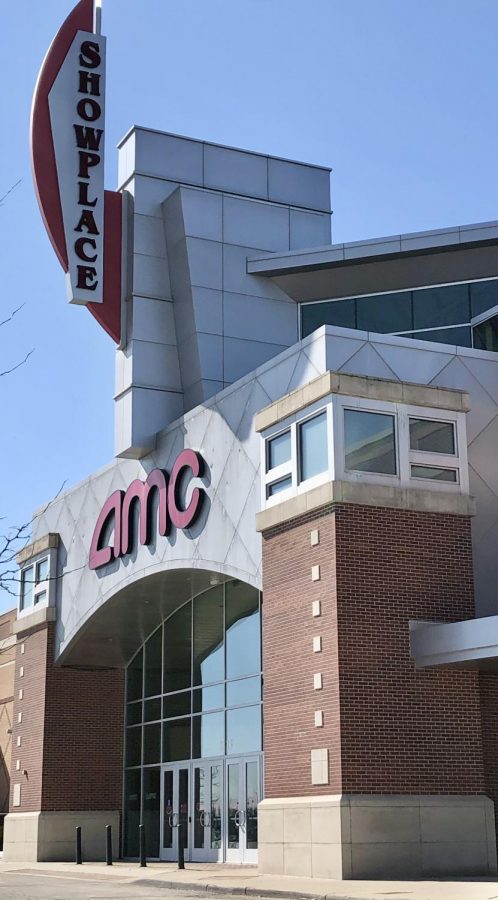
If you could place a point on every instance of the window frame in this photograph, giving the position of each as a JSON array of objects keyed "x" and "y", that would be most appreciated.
[
  {"x": 292, "y": 468},
  {"x": 45, "y": 586},
  {"x": 335, "y": 405}
]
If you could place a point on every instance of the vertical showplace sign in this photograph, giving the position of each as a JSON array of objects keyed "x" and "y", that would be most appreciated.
[
  {"x": 67, "y": 142},
  {"x": 77, "y": 110}
]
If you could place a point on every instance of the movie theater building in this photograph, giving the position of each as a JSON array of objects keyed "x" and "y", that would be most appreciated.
[{"x": 271, "y": 620}]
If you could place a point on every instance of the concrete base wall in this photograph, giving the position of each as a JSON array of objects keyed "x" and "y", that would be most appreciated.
[
  {"x": 50, "y": 836},
  {"x": 383, "y": 836}
]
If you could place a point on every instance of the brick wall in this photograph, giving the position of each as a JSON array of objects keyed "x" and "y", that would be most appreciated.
[
  {"x": 71, "y": 730},
  {"x": 7, "y": 659},
  {"x": 389, "y": 728}
]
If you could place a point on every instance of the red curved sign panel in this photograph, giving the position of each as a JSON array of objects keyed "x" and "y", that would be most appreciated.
[{"x": 82, "y": 220}]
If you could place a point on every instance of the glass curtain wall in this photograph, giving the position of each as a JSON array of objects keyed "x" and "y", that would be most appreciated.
[
  {"x": 442, "y": 314},
  {"x": 193, "y": 691}
]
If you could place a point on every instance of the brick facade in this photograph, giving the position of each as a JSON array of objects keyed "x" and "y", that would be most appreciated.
[
  {"x": 389, "y": 728},
  {"x": 7, "y": 657},
  {"x": 71, "y": 731}
]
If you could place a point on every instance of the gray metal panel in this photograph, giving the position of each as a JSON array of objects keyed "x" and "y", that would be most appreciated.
[
  {"x": 241, "y": 356},
  {"x": 169, "y": 157},
  {"x": 309, "y": 229},
  {"x": 298, "y": 185},
  {"x": 235, "y": 171},
  {"x": 205, "y": 263},
  {"x": 257, "y": 319},
  {"x": 255, "y": 224},
  {"x": 202, "y": 213}
]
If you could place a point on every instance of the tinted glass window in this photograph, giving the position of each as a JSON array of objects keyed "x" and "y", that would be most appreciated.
[
  {"x": 334, "y": 312},
  {"x": 27, "y": 587},
  {"x": 242, "y": 630},
  {"x": 153, "y": 663},
  {"x": 369, "y": 442},
  {"x": 486, "y": 335},
  {"x": 460, "y": 336},
  {"x": 244, "y": 729},
  {"x": 279, "y": 450},
  {"x": 151, "y": 810},
  {"x": 152, "y": 709},
  {"x": 441, "y": 306},
  {"x": 483, "y": 296},
  {"x": 248, "y": 690},
  {"x": 313, "y": 451},
  {"x": 134, "y": 677},
  {"x": 152, "y": 743},
  {"x": 209, "y": 656},
  {"x": 177, "y": 647},
  {"x": 133, "y": 746},
  {"x": 207, "y": 698},
  {"x": 282, "y": 485},
  {"x": 132, "y": 811},
  {"x": 208, "y": 735},
  {"x": 176, "y": 740},
  {"x": 385, "y": 313},
  {"x": 433, "y": 473},
  {"x": 431, "y": 436},
  {"x": 176, "y": 705},
  {"x": 134, "y": 713}
]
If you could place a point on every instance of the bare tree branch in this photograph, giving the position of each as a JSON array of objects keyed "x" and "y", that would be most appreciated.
[{"x": 2, "y": 199}]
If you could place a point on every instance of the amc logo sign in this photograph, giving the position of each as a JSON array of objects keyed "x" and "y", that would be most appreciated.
[{"x": 117, "y": 512}]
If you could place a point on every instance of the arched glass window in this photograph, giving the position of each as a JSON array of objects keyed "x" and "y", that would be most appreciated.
[{"x": 193, "y": 691}]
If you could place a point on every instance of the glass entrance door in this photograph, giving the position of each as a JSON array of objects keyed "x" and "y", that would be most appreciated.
[
  {"x": 207, "y": 811},
  {"x": 243, "y": 793},
  {"x": 175, "y": 810}
]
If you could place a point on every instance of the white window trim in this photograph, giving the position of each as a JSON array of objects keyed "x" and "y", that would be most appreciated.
[
  {"x": 47, "y": 585},
  {"x": 334, "y": 405}
]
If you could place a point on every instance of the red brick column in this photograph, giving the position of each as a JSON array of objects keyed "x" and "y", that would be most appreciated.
[
  {"x": 70, "y": 731},
  {"x": 389, "y": 728}
]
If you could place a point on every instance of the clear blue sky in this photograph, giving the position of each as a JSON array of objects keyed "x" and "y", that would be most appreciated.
[{"x": 399, "y": 97}]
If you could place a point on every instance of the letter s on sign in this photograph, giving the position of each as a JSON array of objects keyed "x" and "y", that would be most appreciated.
[{"x": 183, "y": 518}]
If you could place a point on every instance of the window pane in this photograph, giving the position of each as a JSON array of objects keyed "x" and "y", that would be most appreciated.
[
  {"x": 388, "y": 312},
  {"x": 209, "y": 661},
  {"x": 486, "y": 335},
  {"x": 207, "y": 698},
  {"x": 177, "y": 650},
  {"x": 441, "y": 306},
  {"x": 434, "y": 474},
  {"x": 131, "y": 812},
  {"x": 369, "y": 442},
  {"x": 151, "y": 811},
  {"x": 313, "y": 451},
  {"x": 42, "y": 570},
  {"x": 152, "y": 743},
  {"x": 431, "y": 436},
  {"x": 152, "y": 709},
  {"x": 133, "y": 746},
  {"x": 176, "y": 705},
  {"x": 246, "y": 691},
  {"x": 244, "y": 729},
  {"x": 27, "y": 587},
  {"x": 153, "y": 663},
  {"x": 243, "y": 630},
  {"x": 134, "y": 677},
  {"x": 283, "y": 485},
  {"x": 461, "y": 337},
  {"x": 334, "y": 312},
  {"x": 134, "y": 713},
  {"x": 176, "y": 740},
  {"x": 483, "y": 296},
  {"x": 208, "y": 735},
  {"x": 40, "y": 597},
  {"x": 279, "y": 450}
]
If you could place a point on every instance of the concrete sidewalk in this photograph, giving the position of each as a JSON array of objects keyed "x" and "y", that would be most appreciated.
[{"x": 210, "y": 878}]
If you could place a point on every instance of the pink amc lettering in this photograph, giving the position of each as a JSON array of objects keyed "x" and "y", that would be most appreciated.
[{"x": 117, "y": 511}]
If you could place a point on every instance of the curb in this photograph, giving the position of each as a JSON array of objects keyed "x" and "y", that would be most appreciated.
[{"x": 198, "y": 887}]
